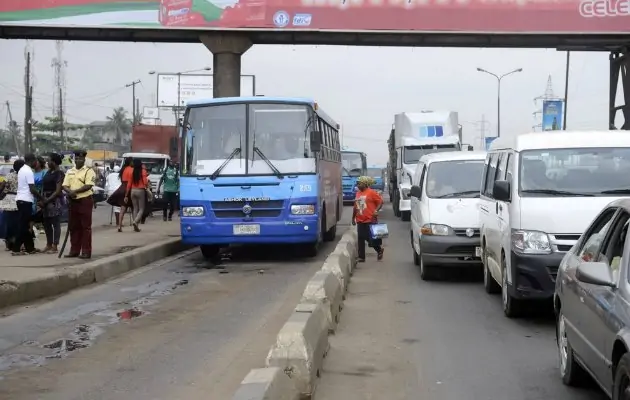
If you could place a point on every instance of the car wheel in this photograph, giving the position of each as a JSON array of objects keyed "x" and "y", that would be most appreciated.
[
  {"x": 621, "y": 385},
  {"x": 511, "y": 306},
  {"x": 570, "y": 371},
  {"x": 490, "y": 285}
]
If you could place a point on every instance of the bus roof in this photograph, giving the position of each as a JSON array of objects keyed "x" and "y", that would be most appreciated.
[{"x": 262, "y": 100}]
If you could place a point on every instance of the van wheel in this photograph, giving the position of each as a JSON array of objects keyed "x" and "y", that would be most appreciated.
[
  {"x": 571, "y": 372},
  {"x": 511, "y": 306},
  {"x": 490, "y": 285},
  {"x": 405, "y": 215},
  {"x": 427, "y": 273},
  {"x": 416, "y": 257}
]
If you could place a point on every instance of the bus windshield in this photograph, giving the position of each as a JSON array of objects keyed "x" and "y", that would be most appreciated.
[
  {"x": 353, "y": 164},
  {"x": 251, "y": 139},
  {"x": 375, "y": 172}
]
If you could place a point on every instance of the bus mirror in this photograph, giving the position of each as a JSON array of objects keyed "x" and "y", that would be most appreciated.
[{"x": 316, "y": 141}]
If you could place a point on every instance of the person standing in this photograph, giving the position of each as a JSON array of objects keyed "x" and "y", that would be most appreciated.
[
  {"x": 137, "y": 186},
  {"x": 52, "y": 206},
  {"x": 170, "y": 179},
  {"x": 78, "y": 184},
  {"x": 111, "y": 185},
  {"x": 25, "y": 199},
  {"x": 367, "y": 205},
  {"x": 8, "y": 205}
]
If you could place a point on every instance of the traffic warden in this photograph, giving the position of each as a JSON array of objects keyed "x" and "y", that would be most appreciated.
[{"x": 78, "y": 185}]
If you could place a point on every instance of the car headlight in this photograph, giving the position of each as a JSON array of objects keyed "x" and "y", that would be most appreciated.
[
  {"x": 192, "y": 211},
  {"x": 405, "y": 193},
  {"x": 436, "y": 229},
  {"x": 303, "y": 209},
  {"x": 531, "y": 242}
]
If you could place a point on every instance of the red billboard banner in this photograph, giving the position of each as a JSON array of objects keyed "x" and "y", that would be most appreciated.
[{"x": 470, "y": 16}]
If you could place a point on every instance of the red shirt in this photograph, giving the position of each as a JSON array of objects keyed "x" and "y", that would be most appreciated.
[
  {"x": 366, "y": 203},
  {"x": 128, "y": 177}
]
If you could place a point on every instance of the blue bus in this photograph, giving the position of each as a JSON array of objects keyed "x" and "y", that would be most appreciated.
[
  {"x": 354, "y": 165},
  {"x": 259, "y": 170},
  {"x": 376, "y": 172}
]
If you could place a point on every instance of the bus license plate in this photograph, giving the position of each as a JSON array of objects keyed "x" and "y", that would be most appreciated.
[
  {"x": 246, "y": 229},
  {"x": 477, "y": 251}
]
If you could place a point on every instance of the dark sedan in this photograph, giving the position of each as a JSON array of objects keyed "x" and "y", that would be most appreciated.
[{"x": 592, "y": 304}]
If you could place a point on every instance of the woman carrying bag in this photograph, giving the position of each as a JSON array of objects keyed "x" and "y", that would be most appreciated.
[
  {"x": 117, "y": 199},
  {"x": 137, "y": 187}
]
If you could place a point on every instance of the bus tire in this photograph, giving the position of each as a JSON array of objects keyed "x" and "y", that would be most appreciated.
[
  {"x": 209, "y": 252},
  {"x": 330, "y": 234}
]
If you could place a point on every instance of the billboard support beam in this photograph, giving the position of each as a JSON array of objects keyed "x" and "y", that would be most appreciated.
[
  {"x": 620, "y": 71},
  {"x": 227, "y": 51}
]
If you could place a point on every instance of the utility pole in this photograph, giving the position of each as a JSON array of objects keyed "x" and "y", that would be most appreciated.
[
  {"x": 28, "y": 107},
  {"x": 132, "y": 85},
  {"x": 61, "y": 120},
  {"x": 566, "y": 92}
]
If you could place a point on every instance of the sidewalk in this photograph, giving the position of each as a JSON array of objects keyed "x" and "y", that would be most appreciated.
[{"x": 122, "y": 248}]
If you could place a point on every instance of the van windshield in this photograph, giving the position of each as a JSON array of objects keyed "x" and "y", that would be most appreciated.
[
  {"x": 455, "y": 179},
  {"x": 154, "y": 166},
  {"x": 576, "y": 172}
]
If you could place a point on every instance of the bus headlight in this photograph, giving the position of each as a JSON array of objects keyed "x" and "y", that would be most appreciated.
[
  {"x": 192, "y": 211},
  {"x": 303, "y": 209}
]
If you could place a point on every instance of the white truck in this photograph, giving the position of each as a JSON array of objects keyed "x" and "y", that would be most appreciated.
[{"x": 413, "y": 135}]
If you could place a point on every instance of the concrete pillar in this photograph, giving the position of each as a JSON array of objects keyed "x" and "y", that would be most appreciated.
[{"x": 227, "y": 50}]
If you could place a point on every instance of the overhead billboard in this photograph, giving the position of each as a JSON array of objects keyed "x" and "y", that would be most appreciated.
[
  {"x": 489, "y": 141},
  {"x": 471, "y": 16},
  {"x": 193, "y": 86},
  {"x": 552, "y": 115}
]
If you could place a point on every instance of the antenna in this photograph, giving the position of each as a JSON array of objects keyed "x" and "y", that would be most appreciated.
[{"x": 59, "y": 66}]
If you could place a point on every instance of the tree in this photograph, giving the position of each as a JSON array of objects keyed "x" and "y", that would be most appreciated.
[
  {"x": 47, "y": 142},
  {"x": 120, "y": 123}
]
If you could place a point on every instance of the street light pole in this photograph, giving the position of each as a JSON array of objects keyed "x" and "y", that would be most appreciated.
[{"x": 499, "y": 79}]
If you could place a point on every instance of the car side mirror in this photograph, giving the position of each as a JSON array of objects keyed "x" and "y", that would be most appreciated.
[
  {"x": 416, "y": 191},
  {"x": 595, "y": 273},
  {"x": 501, "y": 190},
  {"x": 316, "y": 141}
]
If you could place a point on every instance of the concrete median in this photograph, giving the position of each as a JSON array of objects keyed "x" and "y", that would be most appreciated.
[
  {"x": 324, "y": 287},
  {"x": 72, "y": 277},
  {"x": 339, "y": 264},
  {"x": 301, "y": 346},
  {"x": 267, "y": 384}
]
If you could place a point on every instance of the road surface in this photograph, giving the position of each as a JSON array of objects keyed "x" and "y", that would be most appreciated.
[
  {"x": 403, "y": 338},
  {"x": 178, "y": 329}
]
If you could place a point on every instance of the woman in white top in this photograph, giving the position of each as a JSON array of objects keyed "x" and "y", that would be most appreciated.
[{"x": 112, "y": 183}]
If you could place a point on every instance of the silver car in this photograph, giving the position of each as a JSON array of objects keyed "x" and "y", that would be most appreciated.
[{"x": 592, "y": 304}]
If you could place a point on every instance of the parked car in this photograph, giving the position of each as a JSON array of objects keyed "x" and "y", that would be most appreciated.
[
  {"x": 539, "y": 192},
  {"x": 592, "y": 304},
  {"x": 444, "y": 211}
]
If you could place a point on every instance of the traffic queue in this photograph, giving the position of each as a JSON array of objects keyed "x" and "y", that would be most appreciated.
[{"x": 545, "y": 217}]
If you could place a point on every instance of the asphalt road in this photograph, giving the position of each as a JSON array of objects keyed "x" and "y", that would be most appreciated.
[
  {"x": 403, "y": 338},
  {"x": 178, "y": 329}
]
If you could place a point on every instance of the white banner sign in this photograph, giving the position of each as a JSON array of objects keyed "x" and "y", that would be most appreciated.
[
  {"x": 192, "y": 87},
  {"x": 150, "y": 113}
]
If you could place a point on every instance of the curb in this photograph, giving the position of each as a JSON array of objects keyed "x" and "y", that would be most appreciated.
[
  {"x": 72, "y": 277},
  {"x": 302, "y": 343}
]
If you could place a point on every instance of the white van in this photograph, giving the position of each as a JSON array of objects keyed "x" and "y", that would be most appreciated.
[
  {"x": 539, "y": 193},
  {"x": 444, "y": 211}
]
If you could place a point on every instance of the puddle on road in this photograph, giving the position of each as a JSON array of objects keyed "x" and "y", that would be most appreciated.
[{"x": 84, "y": 335}]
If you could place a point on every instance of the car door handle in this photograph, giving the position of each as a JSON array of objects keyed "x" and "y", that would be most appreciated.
[
  {"x": 500, "y": 208},
  {"x": 496, "y": 208}
]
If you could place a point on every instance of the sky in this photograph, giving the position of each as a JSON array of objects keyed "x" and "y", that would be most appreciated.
[{"x": 362, "y": 88}]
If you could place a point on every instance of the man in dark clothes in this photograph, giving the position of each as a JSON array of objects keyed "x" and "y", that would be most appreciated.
[{"x": 78, "y": 185}]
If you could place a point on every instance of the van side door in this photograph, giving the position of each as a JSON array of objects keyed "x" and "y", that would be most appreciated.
[{"x": 488, "y": 211}]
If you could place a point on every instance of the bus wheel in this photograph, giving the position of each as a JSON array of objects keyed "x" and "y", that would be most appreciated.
[
  {"x": 209, "y": 252},
  {"x": 330, "y": 234}
]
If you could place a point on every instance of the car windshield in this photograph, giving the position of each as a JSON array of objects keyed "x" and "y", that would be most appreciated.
[
  {"x": 351, "y": 161},
  {"x": 374, "y": 172},
  {"x": 412, "y": 154},
  {"x": 154, "y": 166},
  {"x": 588, "y": 172},
  {"x": 250, "y": 139},
  {"x": 454, "y": 179}
]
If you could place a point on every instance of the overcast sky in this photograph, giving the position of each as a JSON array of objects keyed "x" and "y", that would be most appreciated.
[{"x": 360, "y": 87}]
